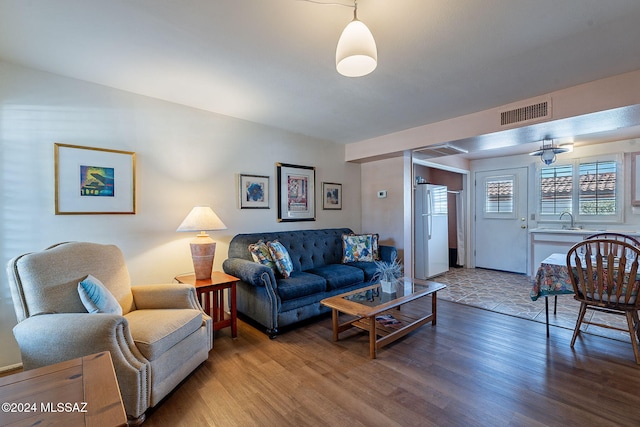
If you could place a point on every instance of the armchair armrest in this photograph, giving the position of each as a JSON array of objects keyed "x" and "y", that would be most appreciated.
[
  {"x": 170, "y": 295},
  {"x": 250, "y": 272},
  {"x": 52, "y": 338}
]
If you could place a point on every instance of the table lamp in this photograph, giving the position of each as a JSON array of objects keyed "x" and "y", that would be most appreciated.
[{"x": 203, "y": 248}]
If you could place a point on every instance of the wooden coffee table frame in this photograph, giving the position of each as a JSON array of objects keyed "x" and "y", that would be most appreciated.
[
  {"x": 87, "y": 388},
  {"x": 380, "y": 335}
]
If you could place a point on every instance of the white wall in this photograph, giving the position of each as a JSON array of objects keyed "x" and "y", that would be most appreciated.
[
  {"x": 384, "y": 216},
  {"x": 185, "y": 157}
]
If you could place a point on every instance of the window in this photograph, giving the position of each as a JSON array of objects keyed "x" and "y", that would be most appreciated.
[
  {"x": 594, "y": 198},
  {"x": 499, "y": 197},
  {"x": 597, "y": 195},
  {"x": 556, "y": 188}
]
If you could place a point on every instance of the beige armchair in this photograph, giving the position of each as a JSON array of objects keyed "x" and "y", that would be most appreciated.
[{"x": 161, "y": 337}]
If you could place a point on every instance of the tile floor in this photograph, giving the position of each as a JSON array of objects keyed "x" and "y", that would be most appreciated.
[{"x": 508, "y": 293}]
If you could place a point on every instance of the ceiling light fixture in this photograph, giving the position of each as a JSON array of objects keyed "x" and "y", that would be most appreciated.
[
  {"x": 548, "y": 152},
  {"x": 356, "y": 53}
]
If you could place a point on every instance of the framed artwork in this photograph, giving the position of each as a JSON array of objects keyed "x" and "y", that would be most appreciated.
[
  {"x": 635, "y": 178},
  {"x": 296, "y": 193},
  {"x": 331, "y": 196},
  {"x": 254, "y": 192},
  {"x": 94, "y": 180}
]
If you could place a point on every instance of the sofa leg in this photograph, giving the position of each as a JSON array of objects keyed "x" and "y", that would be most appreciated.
[
  {"x": 273, "y": 333},
  {"x": 134, "y": 422}
]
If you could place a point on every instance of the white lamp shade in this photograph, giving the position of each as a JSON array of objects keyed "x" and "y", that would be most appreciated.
[
  {"x": 356, "y": 54},
  {"x": 202, "y": 218}
]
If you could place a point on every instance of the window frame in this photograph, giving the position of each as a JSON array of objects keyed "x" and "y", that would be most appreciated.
[
  {"x": 501, "y": 215},
  {"x": 617, "y": 218}
]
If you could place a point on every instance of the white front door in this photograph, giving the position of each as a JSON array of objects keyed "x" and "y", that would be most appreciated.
[{"x": 501, "y": 226}]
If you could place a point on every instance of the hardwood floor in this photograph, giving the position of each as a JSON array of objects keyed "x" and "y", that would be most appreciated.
[{"x": 474, "y": 368}]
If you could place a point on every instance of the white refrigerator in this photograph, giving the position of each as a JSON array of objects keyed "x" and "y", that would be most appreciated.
[{"x": 431, "y": 246}]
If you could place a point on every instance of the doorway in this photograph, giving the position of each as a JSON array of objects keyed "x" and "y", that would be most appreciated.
[{"x": 501, "y": 225}]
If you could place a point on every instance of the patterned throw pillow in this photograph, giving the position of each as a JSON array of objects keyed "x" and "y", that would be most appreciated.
[
  {"x": 357, "y": 247},
  {"x": 375, "y": 247},
  {"x": 281, "y": 258},
  {"x": 96, "y": 297},
  {"x": 260, "y": 253}
]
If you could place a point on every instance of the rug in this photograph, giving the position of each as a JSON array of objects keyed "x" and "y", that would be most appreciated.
[{"x": 508, "y": 293}]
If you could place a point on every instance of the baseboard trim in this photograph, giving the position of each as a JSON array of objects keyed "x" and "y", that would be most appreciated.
[{"x": 8, "y": 368}]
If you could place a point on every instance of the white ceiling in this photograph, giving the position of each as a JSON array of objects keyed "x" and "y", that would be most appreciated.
[{"x": 273, "y": 61}]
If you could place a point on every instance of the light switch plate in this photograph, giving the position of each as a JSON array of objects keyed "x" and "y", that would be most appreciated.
[{"x": 382, "y": 194}]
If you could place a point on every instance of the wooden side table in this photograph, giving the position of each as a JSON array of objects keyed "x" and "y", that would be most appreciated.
[
  {"x": 78, "y": 392},
  {"x": 211, "y": 296}
]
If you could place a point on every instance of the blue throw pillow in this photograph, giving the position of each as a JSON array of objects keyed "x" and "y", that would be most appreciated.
[
  {"x": 96, "y": 297},
  {"x": 281, "y": 258}
]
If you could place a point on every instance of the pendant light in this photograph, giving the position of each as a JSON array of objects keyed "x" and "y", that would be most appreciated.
[
  {"x": 548, "y": 152},
  {"x": 356, "y": 53}
]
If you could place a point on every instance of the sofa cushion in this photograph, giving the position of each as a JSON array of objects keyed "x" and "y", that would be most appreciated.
[
  {"x": 357, "y": 247},
  {"x": 300, "y": 284},
  {"x": 96, "y": 298},
  {"x": 281, "y": 257},
  {"x": 338, "y": 275},
  {"x": 261, "y": 254},
  {"x": 368, "y": 268},
  {"x": 155, "y": 331}
]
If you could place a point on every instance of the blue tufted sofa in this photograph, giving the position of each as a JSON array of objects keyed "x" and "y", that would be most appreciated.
[{"x": 318, "y": 273}]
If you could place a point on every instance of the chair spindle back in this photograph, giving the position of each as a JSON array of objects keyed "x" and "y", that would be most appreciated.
[{"x": 604, "y": 272}]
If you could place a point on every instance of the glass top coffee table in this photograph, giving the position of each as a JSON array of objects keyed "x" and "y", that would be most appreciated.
[{"x": 381, "y": 314}]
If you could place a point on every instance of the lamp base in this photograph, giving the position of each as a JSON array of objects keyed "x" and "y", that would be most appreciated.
[{"x": 203, "y": 250}]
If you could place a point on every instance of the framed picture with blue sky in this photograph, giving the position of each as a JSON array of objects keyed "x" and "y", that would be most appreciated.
[{"x": 92, "y": 180}]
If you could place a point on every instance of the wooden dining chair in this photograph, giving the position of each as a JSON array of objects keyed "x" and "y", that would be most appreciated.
[
  {"x": 604, "y": 275},
  {"x": 615, "y": 236}
]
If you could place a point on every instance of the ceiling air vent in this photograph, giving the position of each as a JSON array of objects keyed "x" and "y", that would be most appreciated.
[
  {"x": 526, "y": 114},
  {"x": 440, "y": 150}
]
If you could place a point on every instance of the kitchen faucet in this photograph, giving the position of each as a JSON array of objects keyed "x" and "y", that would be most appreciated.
[{"x": 570, "y": 216}]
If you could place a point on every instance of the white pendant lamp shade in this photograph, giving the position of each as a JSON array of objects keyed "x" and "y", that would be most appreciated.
[{"x": 356, "y": 54}]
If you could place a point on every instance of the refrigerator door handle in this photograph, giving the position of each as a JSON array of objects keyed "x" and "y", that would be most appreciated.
[{"x": 429, "y": 213}]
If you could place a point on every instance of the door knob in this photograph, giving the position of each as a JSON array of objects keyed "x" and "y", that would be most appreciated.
[{"x": 523, "y": 226}]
